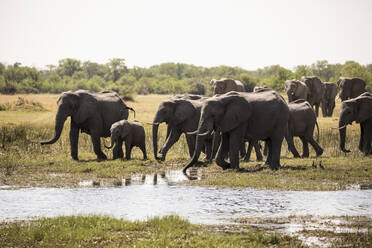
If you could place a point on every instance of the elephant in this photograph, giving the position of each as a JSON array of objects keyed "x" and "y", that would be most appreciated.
[
  {"x": 315, "y": 93},
  {"x": 92, "y": 113},
  {"x": 301, "y": 123},
  {"x": 240, "y": 116},
  {"x": 358, "y": 109},
  {"x": 225, "y": 85},
  {"x": 328, "y": 100},
  {"x": 350, "y": 87},
  {"x": 181, "y": 116},
  {"x": 296, "y": 89},
  {"x": 132, "y": 133}
]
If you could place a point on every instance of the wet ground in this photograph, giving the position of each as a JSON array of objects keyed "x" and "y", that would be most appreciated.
[{"x": 143, "y": 196}]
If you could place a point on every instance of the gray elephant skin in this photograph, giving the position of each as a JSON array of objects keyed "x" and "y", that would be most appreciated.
[
  {"x": 295, "y": 90},
  {"x": 350, "y": 87},
  {"x": 132, "y": 133},
  {"x": 240, "y": 116},
  {"x": 357, "y": 109},
  {"x": 329, "y": 96},
  {"x": 315, "y": 92},
  {"x": 225, "y": 85},
  {"x": 301, "y": 123},
  {"x": 181, "y": 114},
  {"x": 91, "y": 113}
]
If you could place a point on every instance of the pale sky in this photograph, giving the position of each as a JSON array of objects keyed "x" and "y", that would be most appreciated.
[{"x": 247, "y": 33}]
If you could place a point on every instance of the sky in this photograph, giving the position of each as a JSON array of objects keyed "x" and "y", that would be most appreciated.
[{"x": 246, "y": 33}]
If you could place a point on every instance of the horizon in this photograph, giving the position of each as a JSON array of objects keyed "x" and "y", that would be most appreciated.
[{"x": 249, "y": 35}]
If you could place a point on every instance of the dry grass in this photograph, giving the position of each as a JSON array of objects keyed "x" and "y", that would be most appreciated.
[{"x": 23, "y": 160}]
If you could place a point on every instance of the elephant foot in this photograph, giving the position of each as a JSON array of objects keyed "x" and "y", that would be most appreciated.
[
  {"x": 75, "y": 158},
  {"x": 161, "y": 157},
  {"x": 275, "y": 166},
  {"x": 305, "y": 156},
  {"x": 296, "y": 156},
  {"x": 101, "y": 157},
  {"x": 246, "y": 160},
  {"x": 319, "y": 153},
  {"x": 259, "y": 159}
]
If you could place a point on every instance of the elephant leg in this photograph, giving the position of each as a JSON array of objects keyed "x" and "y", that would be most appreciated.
[
  {"x": 235, "y": 144},
  {"x": 317, "y": 109},
  {"x": 332, "y": 108},
  {"x": 324, "y": 109},
  {"x": 142, "y": 146},
  {"x": 118, "y": 150},
  {"x": 367, "y": 140},
  {"x": 305, "y": 147},
  {"x": 361, "y": 139},
  {"x": 257, "y": 149},
  {"x": 269, "y": 153},
  {"x": 247, "y": 156},
  {"x": 191, "y": 139},
  {"x": 291, "y": 146},
  {"x": 223, "y": 150},
  {"x": 276, "y": 145},
  {"x": 208, "y": 149},
  {"x": 173, "y": 137},
  {"x": 74, "y": 141},
  {"x": 266, "y": 149},
  {"x": 97, "y": 147},
  {"x": 242, "y": 150},
  {"x": 316, "y": 146},
  {"x": 128, "y": 148}
]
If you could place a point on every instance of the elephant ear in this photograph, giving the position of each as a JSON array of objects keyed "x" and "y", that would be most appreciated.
[
  {"x": 125, "y": 129},
  {"x": 237, "y": 111},
  {"x": 364, "y": 109},
  {"x": 183, "y": 111},
  {"x": 86, "y": 107}
]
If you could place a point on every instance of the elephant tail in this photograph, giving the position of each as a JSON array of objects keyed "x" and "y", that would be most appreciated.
[
  {"x": 134, "y": 112},
  {"x": 316, "y": 123}
]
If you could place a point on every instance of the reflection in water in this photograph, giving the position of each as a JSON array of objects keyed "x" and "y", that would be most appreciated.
[{"x": 141, "y": 197}]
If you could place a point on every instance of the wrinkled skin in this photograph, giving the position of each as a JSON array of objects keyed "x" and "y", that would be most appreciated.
[
  {"x": 315, "y": 93},
  {"x": 328, "y": 100},
  {"x": 225, "y": 85},
  {"x": 350, "y": 87},
  {"x": 357, "y": 109},
  {"x": 91, "y": 113},
  {"x": 181, "y": 114},
  {"x": 301, "y": 123},
  {"x": 295, "y": 90},
  {"x": 132, "y": 133},
  {"x": 243, "y": 116}
]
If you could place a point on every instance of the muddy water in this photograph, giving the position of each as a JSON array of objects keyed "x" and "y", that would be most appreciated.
[{"x": 140, "y": 197}]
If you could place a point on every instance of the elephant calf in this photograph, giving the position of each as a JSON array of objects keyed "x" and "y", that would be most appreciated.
[
  {"x": 301, "y": 123},
  {"x": 132, "y": 132}
]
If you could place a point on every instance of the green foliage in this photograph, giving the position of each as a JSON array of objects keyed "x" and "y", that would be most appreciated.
[{"x": 166, "y": 78}]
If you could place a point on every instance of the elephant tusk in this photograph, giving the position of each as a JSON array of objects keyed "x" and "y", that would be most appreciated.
[
  {"x": 204, "y": 134},
  {"x": 152, "y": 123},
  {"x": 339, "y": 127},
  {"x": 192, "y": 133}
]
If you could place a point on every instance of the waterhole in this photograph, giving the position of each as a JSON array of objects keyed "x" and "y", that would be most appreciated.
[{"x": 144, "y": 196}]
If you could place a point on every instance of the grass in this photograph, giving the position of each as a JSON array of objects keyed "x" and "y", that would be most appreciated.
[
  {"x": 98, "y": 231},
  {"x": 24, "y": 162}
]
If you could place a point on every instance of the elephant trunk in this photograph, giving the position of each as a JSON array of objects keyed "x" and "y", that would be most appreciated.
[
  {"x": 342, "y": 130},
  {"x": 112, "y": 143},
  {"x": 203, "y": 130},
  {"x": 60, "y": 121},
  {"x": 155, "y": 128}
]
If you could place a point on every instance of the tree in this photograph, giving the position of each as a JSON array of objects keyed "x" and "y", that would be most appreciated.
[
  {"x": 68, "y": 66},
  {"x": 117, "y": 68},
  {"x": 354, "y": 69}
]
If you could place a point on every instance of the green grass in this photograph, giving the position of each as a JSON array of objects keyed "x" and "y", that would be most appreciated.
[
  {"x": 24, "y": 162},
  {"x": 95, "y": 231}
]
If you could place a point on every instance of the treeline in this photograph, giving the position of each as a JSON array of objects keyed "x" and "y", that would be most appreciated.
[{"x": 166, "y": 78}]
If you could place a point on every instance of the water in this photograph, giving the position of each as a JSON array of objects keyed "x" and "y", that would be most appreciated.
[{"x": 141, "y": 197}]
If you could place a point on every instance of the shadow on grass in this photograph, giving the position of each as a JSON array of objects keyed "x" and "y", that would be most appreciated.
[{"x": 260, "y": 167}]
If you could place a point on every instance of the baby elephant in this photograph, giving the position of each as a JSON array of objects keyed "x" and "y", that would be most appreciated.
[{"x": 132, "y": 132}]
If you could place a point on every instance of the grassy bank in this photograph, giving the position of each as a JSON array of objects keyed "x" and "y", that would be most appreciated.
[
  {"x": 24, "y": 162},
  {"x": 107, "y": 232},
  {"x": 172, "y": 231}
]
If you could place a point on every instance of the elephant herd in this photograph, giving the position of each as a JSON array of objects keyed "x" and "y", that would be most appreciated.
[{"x": 220, "y": 125}]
